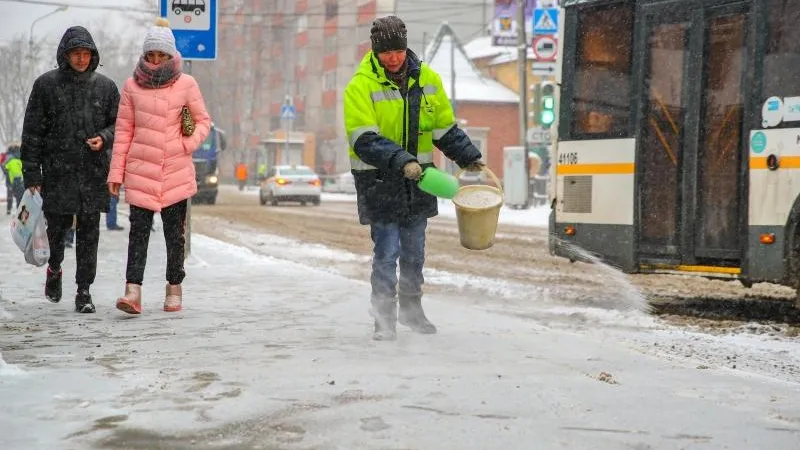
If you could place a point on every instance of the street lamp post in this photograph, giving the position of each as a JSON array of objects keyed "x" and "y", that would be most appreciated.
[{"x": 30, "y": 35}]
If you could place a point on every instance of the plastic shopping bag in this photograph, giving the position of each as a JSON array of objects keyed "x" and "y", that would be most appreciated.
[
  {"x": 38, "y": 250},
  {"x": 29, "y": 229}
]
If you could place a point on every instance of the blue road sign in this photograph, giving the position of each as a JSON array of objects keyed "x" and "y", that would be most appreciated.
[
  {"x": 288, "y": 112},
  {"x": 545, "y": 21},
  {"x": 194, "y": 24}
]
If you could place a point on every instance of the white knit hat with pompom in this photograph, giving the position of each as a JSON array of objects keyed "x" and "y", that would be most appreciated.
[{"x": 159, "y": 38}]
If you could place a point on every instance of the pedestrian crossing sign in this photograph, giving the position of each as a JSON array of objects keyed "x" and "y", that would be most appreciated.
[
  {"x": 545, "y": 21},
  {"x": 288, "y": 112}
]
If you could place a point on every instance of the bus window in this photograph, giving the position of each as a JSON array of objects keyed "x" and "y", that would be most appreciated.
[
  {"x": 601, "y": 100},
  {"x": 782, "y": 56}
]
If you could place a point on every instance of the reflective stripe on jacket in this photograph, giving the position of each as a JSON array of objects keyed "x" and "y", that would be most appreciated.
[
  {"x": 375, "y": 104},
  {"x": 388, "y": 127}
]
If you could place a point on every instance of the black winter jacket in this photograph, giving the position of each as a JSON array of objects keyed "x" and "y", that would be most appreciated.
[{"x": 64, "y": 110}]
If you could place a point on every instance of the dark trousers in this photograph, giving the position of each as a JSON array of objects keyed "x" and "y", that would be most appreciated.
[
  {"x": 174, "y": 219},
  {"x": 18, "y": 190},
  {"x": 393, "y": 241},
  {"x": 9, "y": 199},
  {"x": 88, "y": 236},
  {"x": 111, "y": 215}
]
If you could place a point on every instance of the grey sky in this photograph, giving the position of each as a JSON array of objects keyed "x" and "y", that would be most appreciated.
[{"x": 17, "y": 18}]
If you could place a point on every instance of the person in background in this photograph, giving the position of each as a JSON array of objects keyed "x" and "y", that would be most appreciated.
[
  {"x": 69, "y": 236},
  {"x": 12, "y": 169},
  {"x": 262, "y": 172},
  {"x": 69, "y": 125},
  {"x": 153, "y": 159},
  {"x": 241, "y": 175},
  {"x": 111, "y": 215},
  {"x": 7, "y": 182},
  {"x": 396, "y": 110}
]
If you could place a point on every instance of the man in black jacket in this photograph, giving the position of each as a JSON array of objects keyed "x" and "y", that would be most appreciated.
[{"x": 66, "y": 144}]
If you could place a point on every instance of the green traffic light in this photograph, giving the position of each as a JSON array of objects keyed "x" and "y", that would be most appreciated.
[{"x": 548, "y": 117}]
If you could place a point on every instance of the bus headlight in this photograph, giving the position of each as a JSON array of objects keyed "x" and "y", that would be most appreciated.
[{"x": 212, "y": 179}]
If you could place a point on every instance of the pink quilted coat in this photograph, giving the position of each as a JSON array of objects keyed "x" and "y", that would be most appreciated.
[{"x": 152, "y": 159}]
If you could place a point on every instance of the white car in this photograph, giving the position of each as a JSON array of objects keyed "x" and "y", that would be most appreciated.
[
  {"x": 290, "y": 184},
  {"x": 342, "y": 183}
]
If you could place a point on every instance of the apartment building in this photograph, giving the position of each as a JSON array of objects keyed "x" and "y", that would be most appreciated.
[{"x": 307, "y": 51}]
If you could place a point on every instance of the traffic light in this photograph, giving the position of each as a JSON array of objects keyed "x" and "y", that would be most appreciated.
[{"x": 547, "y": 107}]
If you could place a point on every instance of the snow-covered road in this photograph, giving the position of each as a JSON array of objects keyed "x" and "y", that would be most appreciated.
[{"x": 275, "y": 353}]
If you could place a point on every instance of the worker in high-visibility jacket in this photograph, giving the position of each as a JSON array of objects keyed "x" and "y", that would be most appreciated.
[
  {"x": 395, "y": 111},
  {"x": 13, "y": 170},
  {"x": 241, "y": 175}
]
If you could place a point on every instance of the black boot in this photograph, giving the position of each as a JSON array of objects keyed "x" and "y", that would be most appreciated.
[
  {"x": 52, "y": 285},
  {"x": 412, "y": 315},
  {"x": 83, "y": 301},
  {"x": 384, "y": 310}
]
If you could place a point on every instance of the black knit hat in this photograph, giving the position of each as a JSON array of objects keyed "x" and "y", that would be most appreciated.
[{"x": 388, "y": 33}]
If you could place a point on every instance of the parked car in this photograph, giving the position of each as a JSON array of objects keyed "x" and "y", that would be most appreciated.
[
  {"x": 340, "y": 183},
  {"x": 290, "y": 184}
]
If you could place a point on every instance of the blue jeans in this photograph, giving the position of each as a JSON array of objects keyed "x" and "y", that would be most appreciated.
[
  {"x": 392, "y": 241},
  {"x": 111, "y": 216}
]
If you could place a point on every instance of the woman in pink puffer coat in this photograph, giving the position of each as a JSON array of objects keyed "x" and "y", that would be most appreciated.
[{"x": 153, "y": 159}]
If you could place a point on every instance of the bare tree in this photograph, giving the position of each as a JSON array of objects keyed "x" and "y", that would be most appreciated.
[
  {"x": 118, "y": 57},
  {"x": 16, "y": 78}
]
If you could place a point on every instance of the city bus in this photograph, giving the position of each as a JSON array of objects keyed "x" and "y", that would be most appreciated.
[
  {"x": 677, "y": 142},
  {"x": 206, "y": 166}
]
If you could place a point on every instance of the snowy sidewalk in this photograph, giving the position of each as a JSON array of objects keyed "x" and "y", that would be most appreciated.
[{"x": 269, "y": 354}]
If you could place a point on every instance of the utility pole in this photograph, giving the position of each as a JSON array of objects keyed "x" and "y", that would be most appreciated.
[
  {"x": 453, "y": 70},
  {"x": 287, "y": 126},
  {"x": 31, "y": 59},
  {"x": 288, "y": 38},
  {"x": 187, "y": 246},
  {"x": 522, "y": 63},
  {"x": 522, "y": 66}
]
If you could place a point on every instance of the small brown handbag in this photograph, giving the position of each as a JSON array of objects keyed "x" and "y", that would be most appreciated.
[{"x": 187, "y": 122}]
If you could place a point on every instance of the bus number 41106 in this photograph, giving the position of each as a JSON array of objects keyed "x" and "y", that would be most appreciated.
[{"x": 568, "y": 158}]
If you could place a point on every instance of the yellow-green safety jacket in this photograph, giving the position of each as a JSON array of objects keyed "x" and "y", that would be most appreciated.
[
  {"x": 13, "y": 169},
  {"x": 387, "y": 127}
]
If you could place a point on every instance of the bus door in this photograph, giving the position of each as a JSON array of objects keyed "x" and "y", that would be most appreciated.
[{"x": 689, "y": 159}]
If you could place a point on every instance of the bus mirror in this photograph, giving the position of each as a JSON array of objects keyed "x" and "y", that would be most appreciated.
[{"x": 223, "y": 143}]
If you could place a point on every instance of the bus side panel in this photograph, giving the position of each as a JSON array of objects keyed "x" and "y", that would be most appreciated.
[
  {"x": 765, "y": 262},
  {"x": 771, "y": 197},
  {"x": 595, "y": 196}
]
